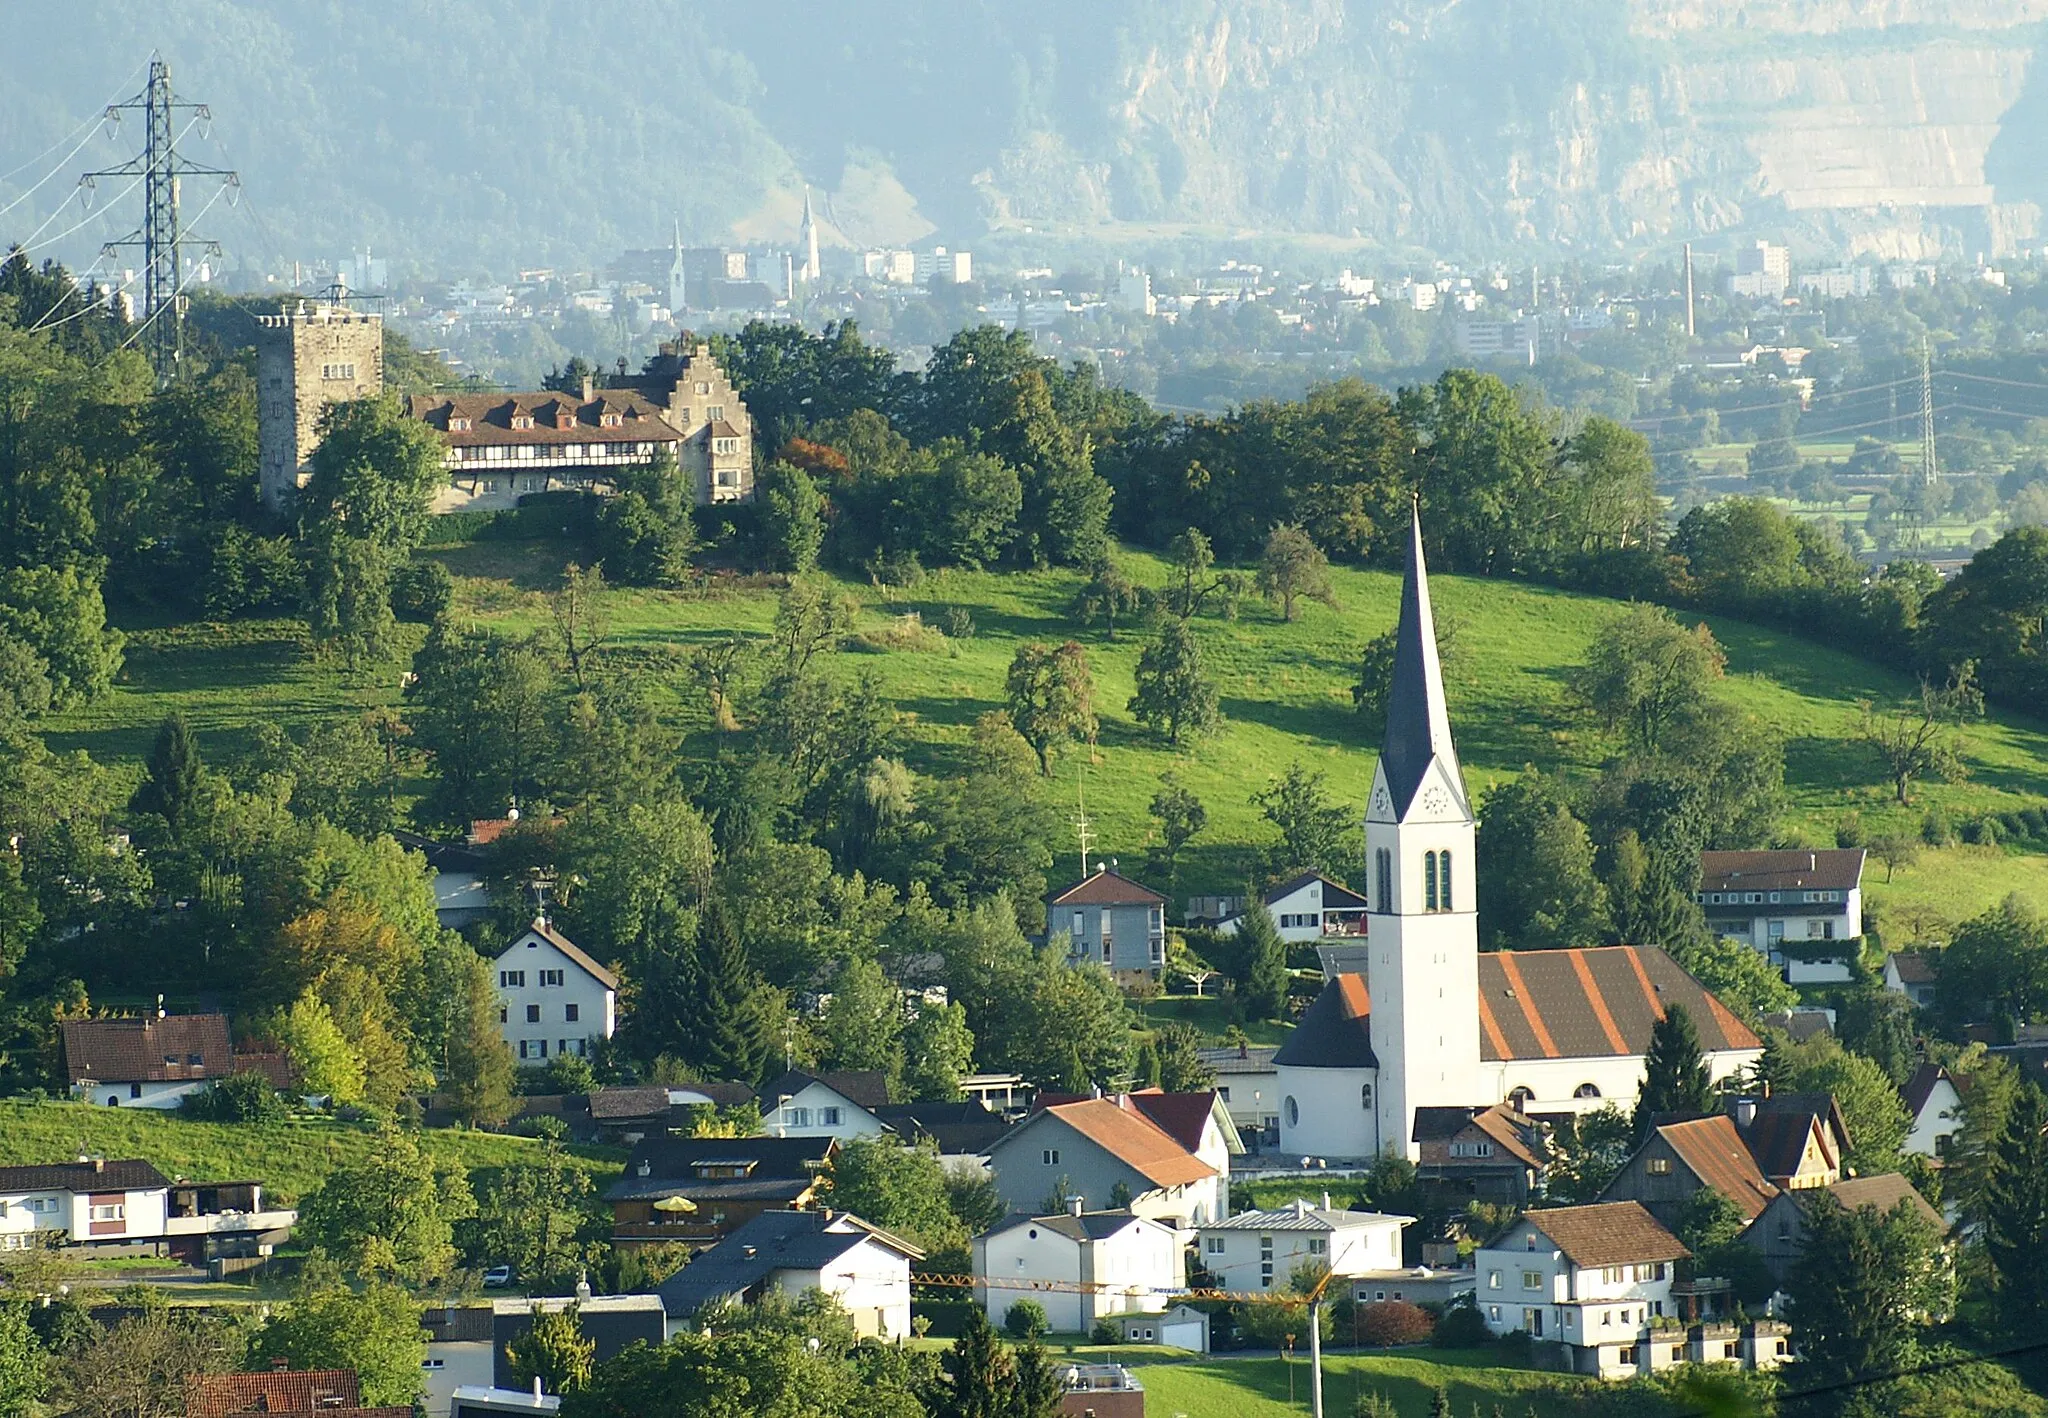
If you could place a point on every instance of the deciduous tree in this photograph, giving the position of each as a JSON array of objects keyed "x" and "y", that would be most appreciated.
[
  {"x": 1919, "y": 739},
  {"x": 1175, "y": 695},
  {"x": 1051, "y": 697},
  {"x": 1292, "y": 568}
]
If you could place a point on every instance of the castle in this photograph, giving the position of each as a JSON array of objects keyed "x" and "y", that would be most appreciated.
[{"x": 1430, "y": 1022}]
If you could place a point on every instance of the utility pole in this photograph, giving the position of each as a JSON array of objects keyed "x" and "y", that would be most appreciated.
[
  {"x": 1315, "y": 1356},
  {"x": 160, "y": 167},
  {"x": 1930, "y": 470},
  {"x": 1082, "y": 830},
  {"x": 1691, "y": 329}
]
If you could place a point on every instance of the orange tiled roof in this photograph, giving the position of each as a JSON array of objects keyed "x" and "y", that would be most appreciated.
[
  {"x": 271, "y": 1391},
  {"x": 1537, "y": 1004},
  {"x": 1108, "y": 888},
  {"x": 1714, "y": 1150},
  {"x": 1134, "y": 1140},
  {"x": 1607, "y": 1233}
]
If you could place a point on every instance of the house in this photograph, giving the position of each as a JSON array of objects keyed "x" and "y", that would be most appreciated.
[
  {"x": 462, "y": 895},
  {"x": 1683, "y": 1157},
  {"x": 1786, "y": 903},
  {"x": 614, "y": 1323},
  {"x": 1101, "y": 1391},
  {"x": 483, "y": 1401},
  {"x": 155, "y": 1061},
  {"x": 130, "y": 1208},
  {"x": 459, "y": 1353},
  {"x": 1936, "y": 1105},
  {"x": 1491, "y": 1154},
  {"x": 1799, "y": 1025},
  {"x": 1416, "y": 1284},
  {"x": 1181, "y": 1327},
  {"x": 1590, "y": 1278},
  {"x": 1249, "y": 1086},
  {"x": 1797, "y": 1139},
  {"x": 553, "y": 999},
  {"x": 961, "y": 1133},
  {"x": 1912, "y": 973},
  {"x": 839, "y": 1105},
  {"x": 1110, "y": 919},
  {"x": 700, "y": 1189},
  {"x": 1307, "y": 908},
  {"x": 1005, "y": 1093},
  {"x": 1779, "y": 1233},
  {"x": 1418, "y": 1018},
  {"x": 1261, "y": 1250},
  {"x": 336, "y": 1392},
  {"x": 863, "y": 1267},
  {"x": 1099, "y": 1151},
  {"x": 1199, "y": 1122},
  {"x": 1117, "y": 1263}
]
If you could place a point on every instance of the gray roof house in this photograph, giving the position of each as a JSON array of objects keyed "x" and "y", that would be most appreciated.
[{"x": 863, "y": 1267}]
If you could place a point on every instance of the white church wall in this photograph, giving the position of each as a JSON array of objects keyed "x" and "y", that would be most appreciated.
[
  {"x": 1555, "y": 1084},
  {"x": 1324, "y": 1112}
]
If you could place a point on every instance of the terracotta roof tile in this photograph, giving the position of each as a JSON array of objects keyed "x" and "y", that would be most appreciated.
[
  {"x": 148, "y": 1050},
  {"x": 1883, "y": 1192},
  {"x": 1134, "y": 1140},
  {"x": 1108, "y": 888},
  {"x": 574, "y": 951},
  {"x": 1607, "y": 1233},
  {"x": 1714, "y": 1150},
  {"x": 1578, "y": 1003},
  {"x": 1915, "y": 967},
  {"x": 272, "y": 1391},
  {"x": 556, "y": 418}
]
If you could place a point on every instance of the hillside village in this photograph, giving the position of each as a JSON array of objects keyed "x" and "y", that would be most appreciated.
[{"x": 811, "y": 1054}]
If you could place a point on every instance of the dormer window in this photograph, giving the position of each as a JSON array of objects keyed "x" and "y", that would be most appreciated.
[
  {"x": 458, "y": 424},
  {"x": 522, "y": 421},
  {"x": 610, "y": 421}
]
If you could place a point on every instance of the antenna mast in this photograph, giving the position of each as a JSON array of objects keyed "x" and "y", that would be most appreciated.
[
  {"x": 160, "y": 167},
  {"x": 1082, "y": 831}
]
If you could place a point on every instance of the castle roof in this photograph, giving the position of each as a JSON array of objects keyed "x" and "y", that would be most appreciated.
[{"x": 1418, "y": 723}]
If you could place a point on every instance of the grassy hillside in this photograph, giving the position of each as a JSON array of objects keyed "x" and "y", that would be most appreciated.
[
  {"x": 1258, "y": 1387},
  {"x": 289, "y": 1158},
  {"x": 1285, "y": 690}
]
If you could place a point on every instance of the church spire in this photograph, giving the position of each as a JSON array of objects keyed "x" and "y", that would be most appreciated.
[
  {"x": 1418, "y": 723},
  {"x": 807, "y": 234}
]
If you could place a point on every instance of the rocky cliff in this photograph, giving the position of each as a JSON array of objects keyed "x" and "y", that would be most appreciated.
[{"x": 506, "y": 130}]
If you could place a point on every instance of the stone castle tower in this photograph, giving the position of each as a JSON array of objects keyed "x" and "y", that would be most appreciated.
[{"x": 307, "y": 358}]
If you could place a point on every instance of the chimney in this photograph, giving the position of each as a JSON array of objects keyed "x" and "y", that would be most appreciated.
[
  {"x": 99, "y": 1164},
  {"x": 1813, "y": 861},
  {"x": 1244, "y": 1050},
  {"x": 278, "y": 1366},
  {"x": 536, "y": 1388},
  {"x": 589, "y": 389},
  {"x": 1745, "y": 1111},
  {"x": 1326, "y": 1201},
  {"x": 645, "y": 1168},
  {"x": 1074, "y": 1205},
  {"x": 582, "y": 1286}
]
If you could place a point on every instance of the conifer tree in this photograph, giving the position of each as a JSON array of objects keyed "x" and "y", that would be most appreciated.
[
  {"x": 1260, "y": 977},
  {"x": 1677, "y": 1080},
  {"x": 170, "y": 782},
  {"x": 728, "y": 1008},
  {"x": 2015, "y": 1207},
  {"x": 1036, "y": 1389},
  {"x": 1149, "y": 1070},
  {"x": 980, "y": 1370}
]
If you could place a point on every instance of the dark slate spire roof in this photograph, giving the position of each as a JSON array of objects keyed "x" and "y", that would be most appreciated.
[{"x": 1418, "y": 724}]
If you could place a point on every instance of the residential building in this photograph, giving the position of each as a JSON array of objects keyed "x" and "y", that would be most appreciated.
[
  {"x": 1101, "y": 1391},
  {"x": 1180, "y": 1327},
  {"x": 1788, "y": 904},
  {"x": 1838, "y": 282},
  {"x": 839, "y": 1105},
  {"x": 1432, "y": 1023},
  {"x": 1491, "y": 1154},
  {"x": 1416, "y": 1284},
  {"x": 1912, "y": 973},
  {"x": 1682, "y": 1158},
  {"x": 613, "y": 1323},
  {"x": 1096, "y": 1150},
  {"x": 459, "y": 1354},
  {"x": 461, "y": 891},
  {"x": 1590, "y": 1278},
  {"x": 1762, "y": 271},
  {"x": 553, "y": 999},
  {"x": 130, "y": 1208},
  {"x": 1309, "y": 907},
  {"x": 155, "y": 1061},
  {"x": 1110, "y": 919},
  {"x": 700, "y": 1189},
  {"x": 278, "y": 1390},
  {"x": 1249, "y": 1086},
  {"x": 1779, "y": 1233},
  {"x": 1005, "y": 1093},
  {"x": 863, "y": 1267},
  {"x": 1261, "y": 1250},
  {"x": 483, "y": 1401},
  {"x": 308, "y": 357},
  {"x": 1797, "y": 1139},
  {"x": 1936, "y": 1106},
  {"x": 1117, "y": 1263},
  {"x": 963, "y": 1134},
  {"x": 1520, "y": 338}
]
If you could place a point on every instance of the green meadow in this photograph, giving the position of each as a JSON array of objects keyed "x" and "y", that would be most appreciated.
[{"x": 1285, "y": 688}]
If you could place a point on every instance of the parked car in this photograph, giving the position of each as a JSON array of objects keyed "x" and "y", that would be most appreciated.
[{"x": 498, "y": 1275}]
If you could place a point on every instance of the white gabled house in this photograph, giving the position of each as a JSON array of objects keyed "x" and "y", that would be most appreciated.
[
  {"x": 553, "y": 998},
  {"x": 861, "y": 1266},
  {"x": 1591, "y": 1278},
  {"x": 1260, "y": 1250},
  {"x": 1099, "y": 1148},
  {"x": 1790, "y": 905},
  {"x": 1936, "y": 1106},
  {"x": 840, "y": 1105},
  {"x": 156, "y": 1061},
  {"x": 1117, "y": 1263},
  {"x": 1309, "y": 907}
]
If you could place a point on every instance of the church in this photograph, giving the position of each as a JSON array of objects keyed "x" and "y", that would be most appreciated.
[{"x": 1420, "y": 1019}]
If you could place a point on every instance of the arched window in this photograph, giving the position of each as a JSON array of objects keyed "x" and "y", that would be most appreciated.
[
  {"x": 1586, "y": 1090},
  {"x": 1443, "y": 881},
  {"x": 1429, "y": 881},
  {"x": 1293, "y": 1113},
  {"x": 1365, "y": 1096},
  {"x": 1520, "y": 1098}
]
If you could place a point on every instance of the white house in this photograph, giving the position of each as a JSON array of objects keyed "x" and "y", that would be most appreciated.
[
  {"x": 863, "y": 1267},
  {"x": 131, "y": 1208},
  {"x": 840, "y": 1105},
  {"x": 1912, "y": 973},
  {"x": 1249, "y": 1086},
  {"x": 1788, "y": 904},
  {"x": 1937, "y": 1109},
  {"x": 154, "y": 1061},
  {"x": 1308, "y": 908},
  {"x": 1117, "y": 1262},
  {"x": 1592, "y": 1278},
  {"x": 1095, "y": 1149},
  {"x": 1259, "y": 1250},
  {"x": 459, "y": 1349},
  {"x": 553, "y": 999}
]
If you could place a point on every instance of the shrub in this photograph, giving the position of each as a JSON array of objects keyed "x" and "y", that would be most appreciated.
[
  {"x": 238, "y": 1098},
  {"x": 2012, "y": 824},
  {"x": 896, "y": 568},
  {"x": 1849, "y": 831},
  {"x": 1462, "y": 1327},
  {"x": 421, "y": 591},
  {"x": 1105, "y": 1332},
  {"x": 1385, "y": 1323},
  {"x": 1026, "y": 1320},
  {"x": 2036, "y": 820},
  {"x": 246, "y": 574},
  {"x": 1935, "y": 829},
  {"x": 1981, "y": 832},
  {"x": 958, "y": 622}
]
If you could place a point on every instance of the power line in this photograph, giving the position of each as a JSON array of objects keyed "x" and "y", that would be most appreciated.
[
  {"x": 62, "y": 162},
  {"x": 89, "y": 123}
]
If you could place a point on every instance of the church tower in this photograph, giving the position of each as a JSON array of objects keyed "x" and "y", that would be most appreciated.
[
  {"x": 807, "y": 237},
  {"x": 1422, "y": 932},
  {"x": 678, "y": 283}
]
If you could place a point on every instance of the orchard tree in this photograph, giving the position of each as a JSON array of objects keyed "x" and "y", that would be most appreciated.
[
  {"x": 1919, "y": 739},
  {"x": 1051, "y": 697},
  {"x": 1315, "y": 829},
  {"x": 1645, "y": 673},
  {"x": 1181, "y": 818},
  {"x": 1292, "y": 568},
  {"x": 1175, "y": 695},
  {"x": 1108, "y": 596}
]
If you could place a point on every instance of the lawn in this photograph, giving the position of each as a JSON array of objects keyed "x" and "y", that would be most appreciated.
[
  {"x": 1260, "y": 1387},
  {"x": 1285, "y": 688},
  {"x": 289, "y": 1158}
]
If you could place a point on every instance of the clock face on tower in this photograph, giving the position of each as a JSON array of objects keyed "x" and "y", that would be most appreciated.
[
  {"x": 1436, "y": 802},
  {"x": 1380, "y": 803}
]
